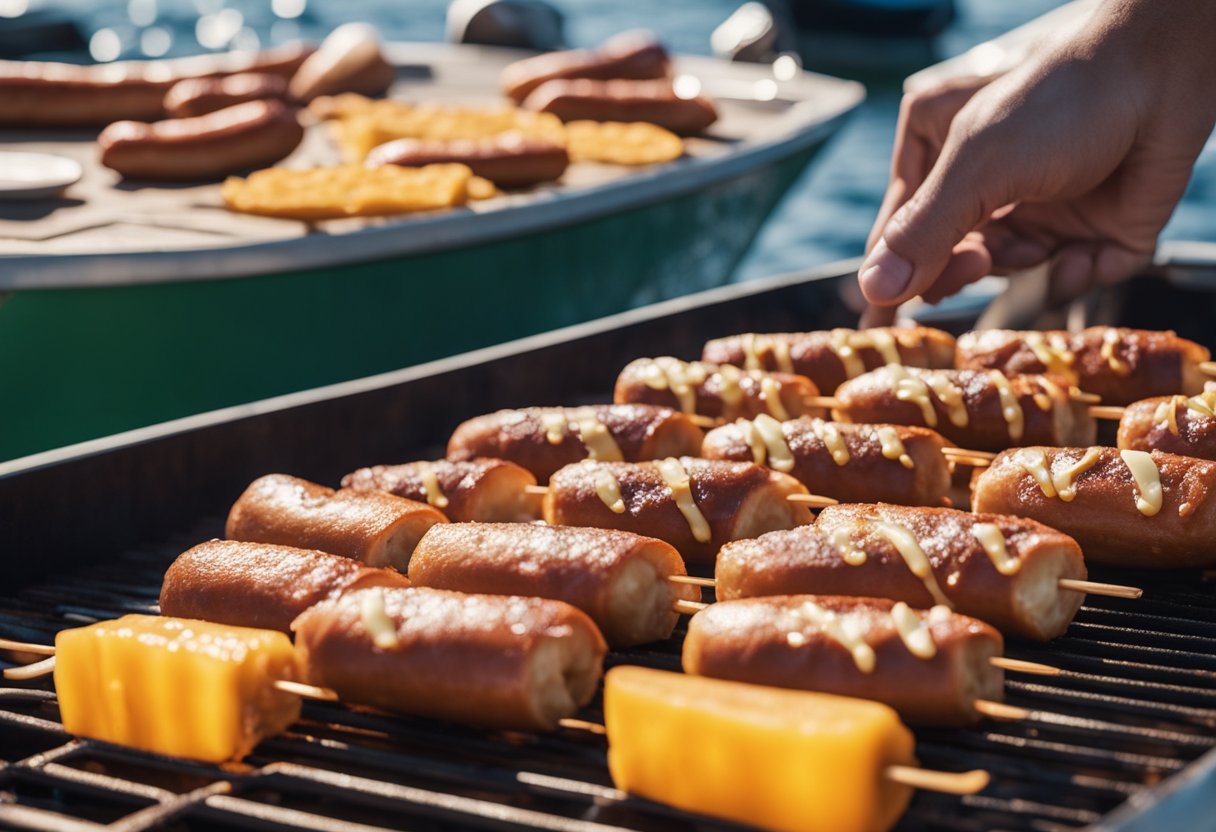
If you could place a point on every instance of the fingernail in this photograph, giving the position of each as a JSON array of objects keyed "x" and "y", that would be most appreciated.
[{"x": 884, "y": 274}]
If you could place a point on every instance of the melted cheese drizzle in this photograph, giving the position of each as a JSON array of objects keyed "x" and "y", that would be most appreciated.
[
  {"x": 1148, "y": 481},
  {"x": 909, "y": 388},
  {"x": 608, "y": 489},
  {"x": 1110, "y": 341},
  {"x": 777, "y": 450},
  {"x": 1034, "y": 462},
  {"x": 430, "y": 483},
  {"x": 1166, "y": 413},
  {"x": 600, "y": 443},
  {"x": 752, "y": 344},
  {"x": 677, "y": 480},
  {"x": 835, "y": 628},
  {"x": 755, "y": 346},
  {"x": 729, "y": 388},
  {"x": 830, "y": 436},
  {"x": 1066, "y": 481},
  {"x": 952, "y": 397},
  {"x": 1204, "y": 403},
  {"x": 1050, "y": 395},
  {"x": 914, "y": 556},
  {"x": 770, "y": 394},
  {"x": 377, "y": 623},
  {"x": 913, "y": 631},
  {"x": 842, "y": 343},
  {"x": 681, "y": 378},
  {"x": 842, "y": 541},
  {"x": 1010, "y": 409},
  {"x": 1053, "y": 354},
  {"x": 754, "y": 441},
  {"x": 892, "y": 447},
  {"x": 555, "y": 427},
  {"x": 990, "y": 537},
  {"x": 781, "y": 354}
]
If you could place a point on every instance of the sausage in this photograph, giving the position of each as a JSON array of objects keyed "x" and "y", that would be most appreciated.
[
  {"x": 627, "y": 55},
  {"x": 850, "y": 463},
  {"x": 45, "y": 94},
  {"x": 260, "y": 584},
  {"x": 1120, "y": 365},
  {"x": 623, "y": 101},
  {"x": 1174, "y": 424},
  {"x": 370, "y": 526},
  {"x": 873, "y": 550},
  {"x": 509, "y": 160},
  {"x": 1150, "y": 510},
  {"x": 930, "y": 665},
  {"x": 349, "y": 60},
  {"x": 543, "y": 439},
  {"x": 831, "y": 357},
  {"x": 474, "y": 490},
  {"x": 238, "y": 138},
  {"x": 978, "y": 409},
  {"x": 716, "y": 391},
  {"x": 617, "y": 578},
  {"x": 199, "y": 96},
  {"x": 492, "y": 660},
  {"x": 696, "y": 505}
]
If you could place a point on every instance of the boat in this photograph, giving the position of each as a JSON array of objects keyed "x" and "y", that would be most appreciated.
[{"x": 126, "y": 306}]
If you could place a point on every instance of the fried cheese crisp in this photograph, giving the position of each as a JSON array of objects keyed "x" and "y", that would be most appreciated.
[
  {"x": 352, "y": 191},
  {"x": 359, "y": 124},
  {"x": 618, "y": 143}
]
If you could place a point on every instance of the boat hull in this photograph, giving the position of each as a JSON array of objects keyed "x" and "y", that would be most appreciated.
[{"x": 78, "y": 363}]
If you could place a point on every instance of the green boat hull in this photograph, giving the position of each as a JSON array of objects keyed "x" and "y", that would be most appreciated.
[{"x": 76, "y": 364}]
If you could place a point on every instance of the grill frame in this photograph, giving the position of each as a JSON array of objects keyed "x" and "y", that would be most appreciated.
[{"x": 142, "y": 494}]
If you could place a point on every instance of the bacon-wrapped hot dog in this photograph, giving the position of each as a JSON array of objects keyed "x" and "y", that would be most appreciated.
[
  {"x": 930, "y": 665},
  {"x": 374, "y": 527},
  {"x": 831, "y": 357},
  {"x": 45, "y": 94},
  {"x": 543, "y": 439},
  {"x": 979, "y": 409},
  {"x": 1175, "y": 424},
  {"x": 498, "y": 661},
  {"x": 696, "y": 505},
  {"x": 628, "y": 55},
  {"x": 509, "y": 160},
  {"x": 1004, "y": 570},
  {"x": 260, "y": 584},
  {"x": 617, "y": 578},
  {"x": 718, "y": 391},
  {"x": 473, "y": 490},
  {"x": 237, "y": 138},
  {"x": 851, "y": 463},
  {"x": 1120, "y": 365},
  {"x": 623, "y": 101},
  {"x": 1126, "y": 508}
]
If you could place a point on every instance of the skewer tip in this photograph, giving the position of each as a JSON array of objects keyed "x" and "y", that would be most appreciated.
[
  {"x": 999, "y": 710},
  {"x": 1094, "y": 588},
  {"x": 1111, "y": 412},
  {"x": 1020, "y": 666},
  {"x": 687, "y": 607},
  {"x": 812, "y": 500},
  {"x": 949, "y": 782},
  {"x": 1208, "y": 368},
  {"x": 30, "y": 671},
  {"x": 307, "y": 691}
]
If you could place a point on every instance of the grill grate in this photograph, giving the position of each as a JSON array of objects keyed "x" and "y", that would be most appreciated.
[{"x": 1135, "y": 704}]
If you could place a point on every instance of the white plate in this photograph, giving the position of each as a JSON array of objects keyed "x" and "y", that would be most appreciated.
[{"x": 35, "y": 175}]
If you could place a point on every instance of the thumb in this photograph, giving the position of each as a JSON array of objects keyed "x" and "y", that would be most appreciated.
[{"x": 918, "y": 240}]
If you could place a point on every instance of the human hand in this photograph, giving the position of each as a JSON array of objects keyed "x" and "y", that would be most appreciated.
[{"x": 1077, "y": 156}]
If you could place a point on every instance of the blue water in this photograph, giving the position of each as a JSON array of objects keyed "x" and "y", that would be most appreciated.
[{"x": 826, "y": 215}]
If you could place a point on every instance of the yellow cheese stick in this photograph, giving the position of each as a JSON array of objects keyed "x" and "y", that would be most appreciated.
[
  {"x": 779, "y": 759},
  {"x": 175, "y": 686}
]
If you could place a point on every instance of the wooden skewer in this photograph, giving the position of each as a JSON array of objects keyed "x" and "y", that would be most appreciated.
[
  {"x": 949, "y": 782},
  {"x": 811, "y": 500},
  {"x": 1208, "y": 368},
  {"x": 1106, "y": 412},
  {"x": 1022, "y": 666},
  {"x": 688, "y": 607},
  {"x": 704, "y": 421},
  {"x": 999, "y": 710},
  {"x": 24, "y": 647},
  {"x": 47, "y": 666},
  {"x": 1070, "y": 584},
  {"x": 1093, "y": 588}
]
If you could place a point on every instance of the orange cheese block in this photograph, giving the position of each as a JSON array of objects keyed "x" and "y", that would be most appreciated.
[
  {"x": 175, "y": 686},
  {"x": 778, "y": 759}
]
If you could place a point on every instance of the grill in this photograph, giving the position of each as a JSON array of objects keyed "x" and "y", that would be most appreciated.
[{"x": 1120, "y": 740}]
